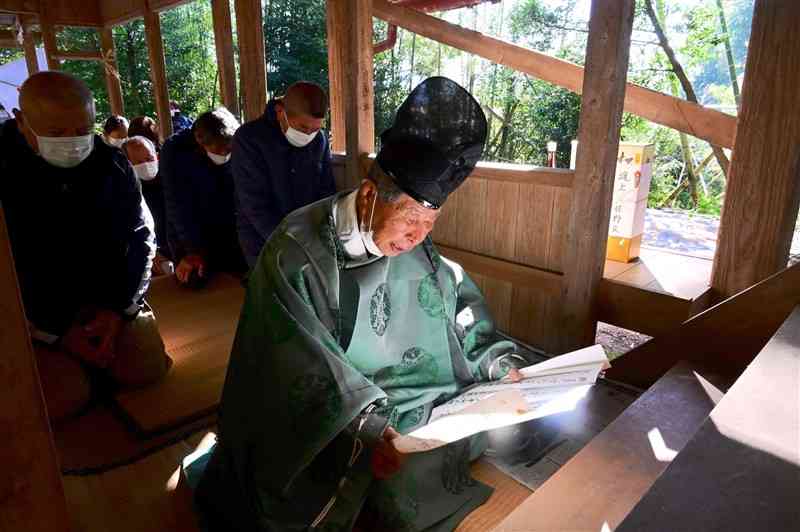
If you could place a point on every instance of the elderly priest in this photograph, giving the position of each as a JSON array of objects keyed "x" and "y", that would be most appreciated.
[{"x": 353, "y": 328}]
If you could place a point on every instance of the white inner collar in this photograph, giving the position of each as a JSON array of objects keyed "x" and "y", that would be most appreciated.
[{"x": 345, "y": 218}]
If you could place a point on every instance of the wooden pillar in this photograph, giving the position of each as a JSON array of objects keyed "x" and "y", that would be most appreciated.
[
  {"x": 223, "y": 41},
  {"x": 158, "y": 68},
  {"x": 252, "y": 62},
  {"x": 359, "y": 95},
  {"x": 337, "y": 44},
  {"x": 761, "y": 200},
  {"x": 31, "y": 494},
  {"x": 29, "y": 45},
  {"x": 49, "y": 40},
  {"x": 111, "y": 71},
  {"x": 602, "y": 100}
]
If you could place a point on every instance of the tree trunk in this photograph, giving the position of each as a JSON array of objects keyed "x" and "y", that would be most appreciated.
[
  {"x": 681, "y": 74},
  {"x": 726, "y": 40}
]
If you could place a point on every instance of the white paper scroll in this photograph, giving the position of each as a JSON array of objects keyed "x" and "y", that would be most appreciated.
[{"x": 553, "y": 386}]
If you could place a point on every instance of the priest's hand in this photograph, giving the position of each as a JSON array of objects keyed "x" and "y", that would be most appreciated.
[
  {"x": 386, "y": 459},
  {"x": 514, "y": 375},
  {"x": 189, "y": 264},
  {"x": 94, "y": 341}
]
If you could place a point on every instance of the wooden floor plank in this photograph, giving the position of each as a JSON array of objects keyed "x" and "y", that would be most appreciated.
[{"x": 198, "y": 329}]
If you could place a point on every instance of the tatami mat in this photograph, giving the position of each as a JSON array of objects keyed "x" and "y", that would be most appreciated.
[{"x": 198, "y": 327}]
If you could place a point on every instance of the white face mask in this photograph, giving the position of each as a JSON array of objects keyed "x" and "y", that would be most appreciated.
[
  {"x": 146, "y": 171},
  {"x": 218, "y": 159},
  {"x": 297, "y": 138},
  {"x": 367, "y": 234},
  {"x": 65, "y": 152},
  {"x": 117, "y": 143}
]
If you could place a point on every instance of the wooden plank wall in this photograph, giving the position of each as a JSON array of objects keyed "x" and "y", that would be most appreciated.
[
  {"x": 518, "y": 223},
  {"x": 505, "y": 225}
]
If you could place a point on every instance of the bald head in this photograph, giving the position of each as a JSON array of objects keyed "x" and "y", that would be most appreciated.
[
  {"x": 303, "y": 107},
  {"x": 139, "y": 150},
  {"x": 55, "y": 104}
]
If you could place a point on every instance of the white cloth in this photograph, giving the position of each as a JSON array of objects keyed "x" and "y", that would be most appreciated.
[{"x": 346, "y": 219}]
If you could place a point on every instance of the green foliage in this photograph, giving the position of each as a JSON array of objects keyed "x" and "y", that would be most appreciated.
[
  {"x": 296, "y": 46},
  {"x": 10, "y": 54}
]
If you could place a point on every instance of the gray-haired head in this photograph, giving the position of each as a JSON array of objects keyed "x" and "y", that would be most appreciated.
[{"x": 388, "y": 192}]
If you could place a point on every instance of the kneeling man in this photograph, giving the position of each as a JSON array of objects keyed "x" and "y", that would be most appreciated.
[
  {"x": 353, "y": 328},
  {"x": 83, "y": 245}
]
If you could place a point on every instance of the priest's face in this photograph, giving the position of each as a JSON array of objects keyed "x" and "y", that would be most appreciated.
[{"x": 398, "y": 226}]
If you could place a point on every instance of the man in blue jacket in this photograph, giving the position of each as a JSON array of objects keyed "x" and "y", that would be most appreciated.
[
  {"x": 67, "y": 196},
  {"x": 198, "y": 190},
  {"x": 281, "y": 162}
]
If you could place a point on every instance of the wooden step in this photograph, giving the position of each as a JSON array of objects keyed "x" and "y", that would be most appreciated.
[
  {"x": 728, "y": 335},
  {"x": 741, "y": 471},
  {"x": 599, "y": 485}
]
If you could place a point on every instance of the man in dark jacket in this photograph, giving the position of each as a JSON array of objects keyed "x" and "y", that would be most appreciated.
[
  {"x": 198, "y": 190},
  {"x": 141, "y": 153},
  {"x": 68, "y": 196},
  {"x": 281, "y": 162}
]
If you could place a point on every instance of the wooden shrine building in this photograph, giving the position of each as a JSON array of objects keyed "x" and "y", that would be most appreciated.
[{"x": 721, "y": 377}]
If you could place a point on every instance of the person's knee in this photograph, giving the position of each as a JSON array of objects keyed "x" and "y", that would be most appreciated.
[
  {"x": 141, "y": 359},
  {"x": 65, "y": 384}
]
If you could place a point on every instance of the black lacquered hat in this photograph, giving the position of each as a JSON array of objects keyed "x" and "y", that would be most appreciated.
[{"x": 436, "y": 140}]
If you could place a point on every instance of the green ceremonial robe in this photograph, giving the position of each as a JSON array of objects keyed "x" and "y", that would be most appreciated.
[{"x": 320, "y": 339}]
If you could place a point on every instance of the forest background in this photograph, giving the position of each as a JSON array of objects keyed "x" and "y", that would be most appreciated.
[{"x": 706, "y": 56}]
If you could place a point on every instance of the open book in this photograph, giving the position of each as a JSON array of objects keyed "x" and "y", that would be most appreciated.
[{"x": 553, "y": 386}]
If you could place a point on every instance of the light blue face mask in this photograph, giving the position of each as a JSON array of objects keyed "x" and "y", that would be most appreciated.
[
  {"x": 65, "y": 152},
  {"x": 297, "y": 138}
]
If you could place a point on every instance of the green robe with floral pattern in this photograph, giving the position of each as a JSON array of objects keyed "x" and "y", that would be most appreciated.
[{"x": 322, "y": 338}]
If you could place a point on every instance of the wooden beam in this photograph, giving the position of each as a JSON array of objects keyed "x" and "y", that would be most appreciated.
[
  {"x": 337, "y": 44},
  {"x": 9, "y": 43},
  {"x": 29, "y": 45},
  {"x": 544, "y": 281},
  {"x": 644, "y": 311},
  {"x": 360, "y": 98},
  {"x": 607, "y": 52},
  {"x": 726, "y": 336},
  {"x": 49, "y": 41},
  {"x": 223, "y": 41},
  {"x": 158, "y": 69},
  {"x": 111, "y": 71},
  {"x": 252, "y": 63},
  {"x": 763, "y": 188},
  {"x": 31, "y": 495},
  {"x": 78, "y": 55},
  {"x": 708, "y": 124},
  {"x": 525, "y": 174},
  {"x": 507, "y": 172}
]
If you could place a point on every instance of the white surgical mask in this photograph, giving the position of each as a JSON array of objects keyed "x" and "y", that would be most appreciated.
[
  {"x": 111, "y": 141},
  {"x": 218, "y": 159},
  {"x": 146, "y": 171},
  {"x": 297, "y": 138},
  {"x": 65, "y": 152},
  {"x": 367, "y": 234}
]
